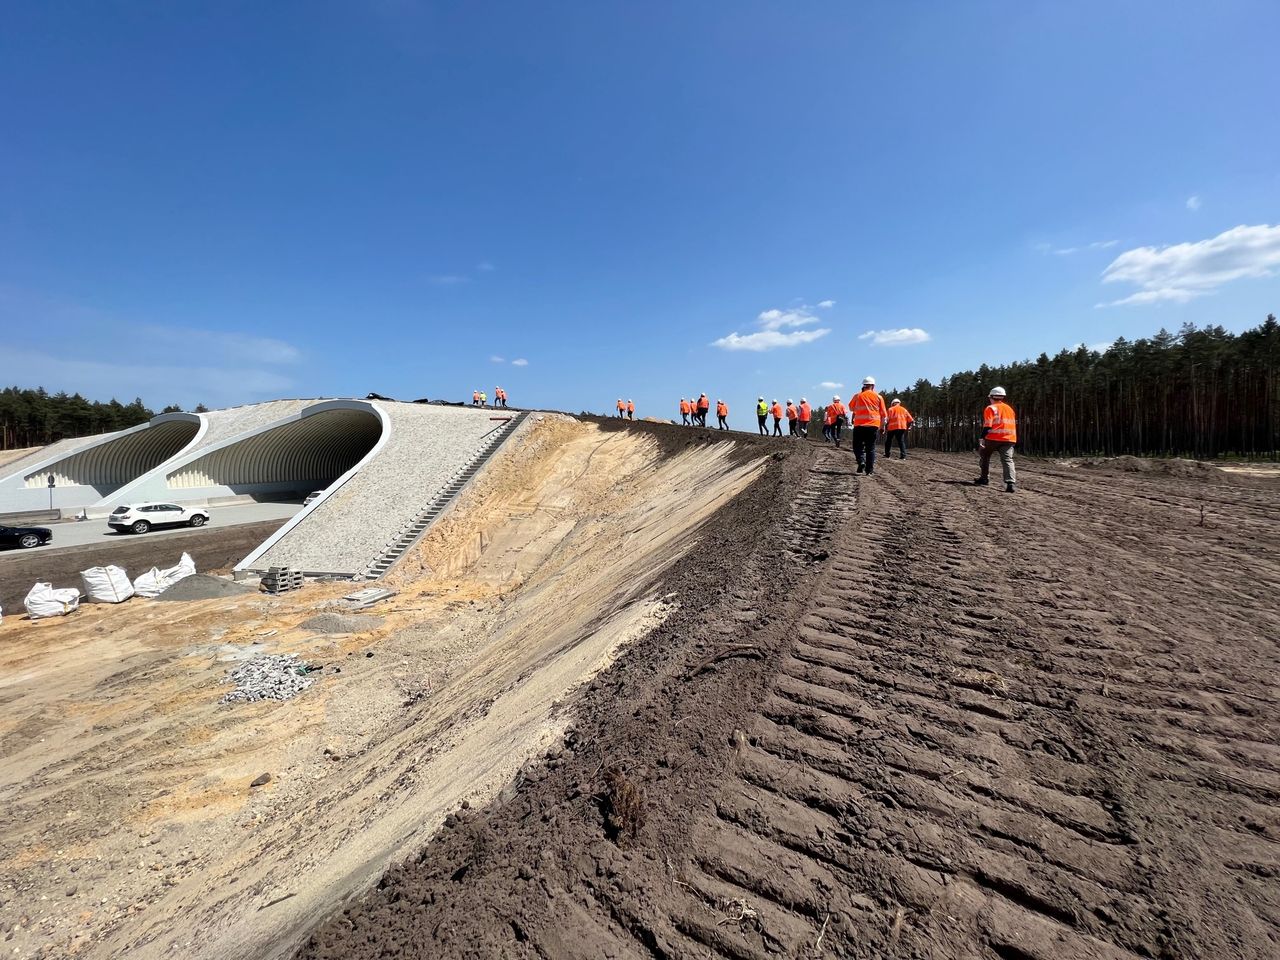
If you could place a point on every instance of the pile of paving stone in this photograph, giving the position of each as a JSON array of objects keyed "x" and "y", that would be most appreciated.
[{"x": 269, "y": 677}]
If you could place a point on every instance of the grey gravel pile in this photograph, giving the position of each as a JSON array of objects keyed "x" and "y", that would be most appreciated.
[
  {"x": 203, "y": 586},
  {"x": 340, "y": 623},
  {"x": 273, "y": 677}
]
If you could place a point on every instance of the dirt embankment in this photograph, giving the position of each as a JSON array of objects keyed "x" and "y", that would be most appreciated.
[
  {"x": 943, "y": 723},
  {"x": 133, "y": 826}
]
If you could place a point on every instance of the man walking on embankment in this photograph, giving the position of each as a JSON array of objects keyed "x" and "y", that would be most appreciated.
[
  {"x": 762, "y": 416},
  {"x": 776, "y": 411},
  {"x": 900, "y": 421},
  {"x": 722, "y": 415},
  {"x": 868, "y": 414},
  {"x": 685, "y": 408},
  {"x": 806, "y": 414},
  {"x": 999, "y": 435}
]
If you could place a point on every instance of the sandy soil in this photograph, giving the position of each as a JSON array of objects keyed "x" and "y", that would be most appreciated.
[
  {"x": 9, "y": 456},
  {"x": 902, "y": 717},
  {"x": 130, "y": 825}
]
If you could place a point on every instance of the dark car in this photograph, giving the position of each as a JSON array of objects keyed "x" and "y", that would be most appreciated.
[{"x": 24, "y": 536}]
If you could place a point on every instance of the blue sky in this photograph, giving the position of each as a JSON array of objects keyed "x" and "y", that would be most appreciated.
[{"x": 227, "y": 202}]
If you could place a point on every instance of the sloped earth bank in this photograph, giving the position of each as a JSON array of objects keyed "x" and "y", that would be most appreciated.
[
  {"x": 941, "y": 723},
  {"x": 131, "y": 824}
]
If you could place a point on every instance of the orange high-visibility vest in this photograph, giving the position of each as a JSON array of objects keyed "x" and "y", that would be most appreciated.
[
  {"x": 791, "y": 411},
  {"x": 806, "y": 412},
  {"x": 1001, "y": 424},
  {"x": 621, "y": 406},
  {"x": 704, "y": 404},
  {"x": 684, "y": 407},
  {"x": 867, "y": 408},
  {"x": 631, "y": 408},
  {"x": 900, "y": 418},
  {"x": 475, "y": 396},
  {"x": 834, "y": 411},
  {"x": 777, "y": 411},
  {"x": 722, "y": 409}
]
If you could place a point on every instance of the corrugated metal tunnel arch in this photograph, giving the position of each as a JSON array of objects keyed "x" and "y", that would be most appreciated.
[
  {"x": 313, "y": 450},
  {"x": 117, "y": 461}
]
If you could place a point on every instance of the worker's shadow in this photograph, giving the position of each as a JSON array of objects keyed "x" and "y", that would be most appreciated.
[{"x": 955, "y": 483}]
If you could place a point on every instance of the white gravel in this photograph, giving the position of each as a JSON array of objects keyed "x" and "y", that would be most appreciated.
[{"x": 427, "y": 446}]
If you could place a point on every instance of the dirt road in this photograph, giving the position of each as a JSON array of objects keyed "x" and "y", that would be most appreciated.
[{"x": 908, "y": 718}]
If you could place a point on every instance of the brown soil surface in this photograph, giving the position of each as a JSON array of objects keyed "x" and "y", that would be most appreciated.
[
  {"x": 901, "y": 717},
  {"x": 213, "y": 549},
  {"x": 136, "y": 822}
]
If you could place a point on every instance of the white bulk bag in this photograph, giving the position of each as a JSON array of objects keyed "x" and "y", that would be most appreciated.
[
  {"x": 44, "y": 601},
  {"x": 155, "y": 581},
  {"x": 185, "y": 568},
  {"x": 106, "y": 584}
]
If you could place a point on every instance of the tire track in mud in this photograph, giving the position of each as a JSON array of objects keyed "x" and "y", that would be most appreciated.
[
  {"x": 955, "y": 757},
  {"x": 979, "y": 726}
]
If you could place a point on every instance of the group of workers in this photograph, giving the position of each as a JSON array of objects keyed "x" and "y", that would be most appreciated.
[
  {"x": 481, "y": 399},
  {"x": 866, "y": 415},
  {"x": 626, "y": 409}
]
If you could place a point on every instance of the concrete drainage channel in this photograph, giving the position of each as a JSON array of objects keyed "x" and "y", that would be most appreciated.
[{"x": 417, "y": 528}]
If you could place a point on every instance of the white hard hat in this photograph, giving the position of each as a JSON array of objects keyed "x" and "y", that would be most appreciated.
[
  {"x": 775, "y": 399},
  {"x": 789, "y": 400},
  {"x": 868, "y": 381},
  {"x": 803, "y": 400},
  {"x": 895, "y": 400},
  {"x": 759, "y": 398},
  {"x": 836, "y": 397},
  {"x": 996, "y": 392}
]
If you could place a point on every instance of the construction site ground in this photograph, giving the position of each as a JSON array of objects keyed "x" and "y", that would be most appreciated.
[
  {"x": 652, "y": 693},
  {"x": 214, "y": 548}
]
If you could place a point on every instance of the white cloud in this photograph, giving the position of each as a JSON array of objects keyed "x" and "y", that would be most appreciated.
[
  {"x": 520, "y": 362},
  {"x": 1183, "y": 271},
  {"x": 768, "y": 340},
  {"x": 1193, "y": 203},
  {"x": 229, "y": 345},
  {"x": 780, "y": 319},
  {"x": 902, "y": 337},
  {"x": 496, "y": 359},
  {"x": 448, "y": 279},
  {"x": 1103, "y": 244},
  {"x": 830, "y": 385},
  {"x": 1065, "y": 251},
  {"x": 770, "y": 335},
  {"x": 826, "y": 304}
]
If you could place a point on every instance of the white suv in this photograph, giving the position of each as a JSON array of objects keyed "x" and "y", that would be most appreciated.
[{"x": 141, "y": 517}]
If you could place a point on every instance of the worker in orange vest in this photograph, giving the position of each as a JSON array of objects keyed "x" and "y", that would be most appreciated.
[
  {"x": 703, "y": 406},
  {"x": 776, "y": 411},
  {"x": 500, "y": 396},
  {"x": 792, "y": 413},
  {"x": 631, "y": 409},
  {"x": 722, "y": 415},
  {"x": 900, "y": 421},
  {"x": 834, "y": 420},
  {"x": 868, "y": 413},
  {"x": 622, "y": 408},
  {"x": 685, "y": 408},
  {"x": 806, "y": 414},
  {"x": 475, "y": 398},
  {"x": 999, "y": 435}
]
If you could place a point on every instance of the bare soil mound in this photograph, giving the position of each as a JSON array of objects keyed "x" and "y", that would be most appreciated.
[
  {"x": 859, "y": 736},
  {"x": 1175, "y": 467}
]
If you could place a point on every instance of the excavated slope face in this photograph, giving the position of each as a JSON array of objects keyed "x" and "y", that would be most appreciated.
[
  {"x": 941, "y": 723},
  {"x": 131, "y": 825}
]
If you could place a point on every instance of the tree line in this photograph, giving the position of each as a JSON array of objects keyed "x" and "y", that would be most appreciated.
[
  {"x": 35, "y": 417},
  {"x": 1202, "y": 392}
]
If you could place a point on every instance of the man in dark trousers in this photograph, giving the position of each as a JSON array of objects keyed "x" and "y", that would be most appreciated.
[{"x": 762, "y": 416}]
